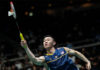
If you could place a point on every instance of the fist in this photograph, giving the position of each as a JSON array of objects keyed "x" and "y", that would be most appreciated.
[
  {"x": 23, "y": 43},
  {"x": 88, "y": 66}
]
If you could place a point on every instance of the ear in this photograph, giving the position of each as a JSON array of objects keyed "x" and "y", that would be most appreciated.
[{"x": 54, "y": 43}]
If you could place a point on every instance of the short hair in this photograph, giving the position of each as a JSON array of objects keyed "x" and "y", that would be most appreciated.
[{"x": 48, "y": 36}]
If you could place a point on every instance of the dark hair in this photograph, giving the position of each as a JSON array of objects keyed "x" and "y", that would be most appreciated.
[{"x": 48, "y": 36}]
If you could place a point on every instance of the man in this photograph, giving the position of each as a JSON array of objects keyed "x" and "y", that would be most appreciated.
[{"x": 55, "y": 59}]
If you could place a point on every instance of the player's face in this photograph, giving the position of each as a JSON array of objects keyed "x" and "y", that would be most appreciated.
[{"x": 48, "y": 42}]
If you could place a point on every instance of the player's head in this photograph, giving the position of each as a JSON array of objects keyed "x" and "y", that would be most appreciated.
[{"x": 48, "y": 42}]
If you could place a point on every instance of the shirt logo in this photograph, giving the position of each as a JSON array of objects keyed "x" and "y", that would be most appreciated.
[
  {"x": 62, "y": 52},
  {"x": 55, "y": 56}
]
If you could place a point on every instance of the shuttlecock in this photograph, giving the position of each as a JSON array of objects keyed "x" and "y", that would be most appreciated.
[{"x": 10, "y": 13}]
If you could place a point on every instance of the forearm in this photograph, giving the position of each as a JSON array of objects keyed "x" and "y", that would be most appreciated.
[
  {"x": 32, "y": 57},
  {"x": 35, "y": 60},
  {"x": 27, "y": 50},
  {"x": 30, "y": 54},
  {"x": 81, "y": 56}
]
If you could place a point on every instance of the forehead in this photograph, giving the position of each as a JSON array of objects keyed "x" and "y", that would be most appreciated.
[{"x": 46, "y": 38}]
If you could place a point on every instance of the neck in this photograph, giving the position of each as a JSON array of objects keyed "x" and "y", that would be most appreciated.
[{"x": 50, "y": 50}]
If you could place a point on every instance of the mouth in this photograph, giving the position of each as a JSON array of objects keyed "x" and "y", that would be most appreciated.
[{"x": 45, "y": 44}]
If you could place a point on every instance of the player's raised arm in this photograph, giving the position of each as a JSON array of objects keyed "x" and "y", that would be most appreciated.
[
  {"x": 79, "y": 55},
  {"x": 36, "y": 60}
]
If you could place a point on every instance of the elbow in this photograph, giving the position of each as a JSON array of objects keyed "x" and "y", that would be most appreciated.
[{"x": 36, "y": 62}]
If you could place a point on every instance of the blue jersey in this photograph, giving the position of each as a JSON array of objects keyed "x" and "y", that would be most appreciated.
[{"x": 59, "y": 60}]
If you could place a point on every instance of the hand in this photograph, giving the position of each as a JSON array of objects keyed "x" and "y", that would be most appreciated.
[
  {"x": 23, "y": 43},
  {"x": 88, "y": 66}
]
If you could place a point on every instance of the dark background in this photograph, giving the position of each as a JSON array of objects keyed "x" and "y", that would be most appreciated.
[{"x": 68, "y": 21}]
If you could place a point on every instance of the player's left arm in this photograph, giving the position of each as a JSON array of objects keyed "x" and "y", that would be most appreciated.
[{"x": 79, "y": 55}]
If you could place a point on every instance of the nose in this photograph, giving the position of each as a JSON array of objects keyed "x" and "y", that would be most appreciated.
[{"x": 45, "y": 41}]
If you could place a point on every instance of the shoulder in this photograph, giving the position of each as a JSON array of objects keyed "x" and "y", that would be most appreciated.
[
  {"x": 44, "y": 59},
  {"x": 63, "y": 48},
  {"x": 67, "y": 49},
  {"x": 70, "y": 51},
  {"x": 60, "y": 48}
]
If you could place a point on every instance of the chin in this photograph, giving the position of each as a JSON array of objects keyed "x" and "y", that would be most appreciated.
[{"x": 46, "y": 47}]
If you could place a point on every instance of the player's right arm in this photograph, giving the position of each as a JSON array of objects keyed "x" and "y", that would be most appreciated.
[{"x": 36, "y": 60}]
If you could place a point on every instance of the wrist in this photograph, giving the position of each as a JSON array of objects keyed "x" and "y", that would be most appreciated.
[{"x": 25, "y": 47}]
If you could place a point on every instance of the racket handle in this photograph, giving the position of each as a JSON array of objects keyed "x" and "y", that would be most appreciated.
[{"x": 21, "y": 36}]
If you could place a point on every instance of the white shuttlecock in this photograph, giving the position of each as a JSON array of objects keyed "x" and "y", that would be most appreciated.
[{"x": 10, "y": 13}]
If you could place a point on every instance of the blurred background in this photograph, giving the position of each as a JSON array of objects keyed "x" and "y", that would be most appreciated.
[{"x": 73, "y": 23}]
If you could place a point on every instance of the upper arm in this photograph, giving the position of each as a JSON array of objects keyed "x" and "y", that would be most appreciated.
[
  {"x": 39, "y": 60},
  {"x": 70, "y": 51}
]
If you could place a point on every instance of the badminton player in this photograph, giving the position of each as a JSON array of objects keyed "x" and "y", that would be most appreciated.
[{"x": 55, "y": 59}]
